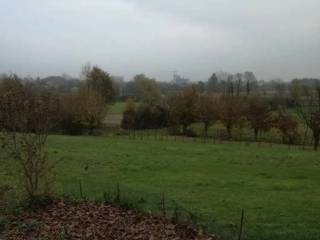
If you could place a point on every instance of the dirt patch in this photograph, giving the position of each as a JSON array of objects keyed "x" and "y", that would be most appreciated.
[
  {"x": 113, "y": 120},
  {"x": 88, "y": 220}
]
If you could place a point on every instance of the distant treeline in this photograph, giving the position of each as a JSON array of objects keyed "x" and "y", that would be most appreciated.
[
  {"x": 219, "y": 82},
  {"x": 235, "y": 100}
]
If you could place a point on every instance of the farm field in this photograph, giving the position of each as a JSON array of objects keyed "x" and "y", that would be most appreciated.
[
  {"x": 117, "y": 108},
  {"x": 278, "y": 188}
]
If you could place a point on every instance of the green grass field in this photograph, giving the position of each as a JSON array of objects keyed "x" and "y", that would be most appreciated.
[
  {"x": 117, "y": 108},
  {"x": 278, "y": 188}
]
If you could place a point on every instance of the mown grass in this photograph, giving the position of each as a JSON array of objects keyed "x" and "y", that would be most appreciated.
[
  {"x": 117, "y": 108},
  {"x": 278, "y": 188}
]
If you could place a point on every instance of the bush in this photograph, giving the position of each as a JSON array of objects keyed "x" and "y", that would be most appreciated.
[
  {"x": 27, "y": 115},
  {"x": 85, "y": 111},
  {"x": 190, "y": 133},
  {"x": 9, "y": 200},
  {"x": 150, "y": 117},
  {"x": 145, "y": 116},
  {"x": 3, "y": 223}
]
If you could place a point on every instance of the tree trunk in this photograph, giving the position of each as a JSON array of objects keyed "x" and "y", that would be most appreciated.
[
  {"x": 206, "y": 127},
  {"x": 184, "y": 129},
  {"x": 256, "y": 132},
  {"x": 229, "y": 132},
  {"x": 316, "y": 137}
]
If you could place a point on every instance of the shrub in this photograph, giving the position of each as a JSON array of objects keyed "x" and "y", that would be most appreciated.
[
  {"x": 288, "y": 127},
  {"x": 82, "y": 112},
  {"x": 145, "y": 116},
  {"x": 27, "y": 115},
  {"x": 3, "y": 223}
]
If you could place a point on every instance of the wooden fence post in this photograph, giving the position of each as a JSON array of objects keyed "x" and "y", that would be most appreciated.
[
  {"x": 80, "y": 190},
  {"x": 163, "y": 205},
  {"x": 118, "y": 193},
  {"x": 241, "y": 225}
]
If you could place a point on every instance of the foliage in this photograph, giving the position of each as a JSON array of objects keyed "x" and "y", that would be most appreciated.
[
  {"x": 208, "y": 112},
  {"x": 70, "y": 116},
  {"x": 212, "y": 83},
  {"x": 80, "y": 112},
  {"x": 151, "y": 116},
  {"x": 183, "y": 108},
  {"x": 128, "y": 120},
  {"x": 258, "y": 115},
  {"x": 146, "y": 89},
  {"x": 26, "y": 118},
  {"x": 309, "y": 111},
  {"x": 145, "y": 116},
  {"x": 91, "y": 108},
  {"x": 99, "y": 81},
  {"x": 231, "y": 112},
  {"x": 287, "y": 126}
]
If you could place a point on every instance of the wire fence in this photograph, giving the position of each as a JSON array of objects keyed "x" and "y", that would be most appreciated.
[
  {"x": 218, "y": 137},
  {"x": 160, "y": 204}
]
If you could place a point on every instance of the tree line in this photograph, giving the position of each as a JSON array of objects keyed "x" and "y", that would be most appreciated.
[
  {"x": 179, "y": 111},
  {"x": 29, "y": 113}
]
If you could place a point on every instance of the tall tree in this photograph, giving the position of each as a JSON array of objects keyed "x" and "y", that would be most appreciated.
[
  {"x": 286, "y": 124},
  {"x": 213, "y": 83},
  {"x": 99, "y": 81},
  {"x": 308, "y": 107},
  {"x": 231, "y": 111},
  {"x": 27, "y": 116},
  {"x": 183, "y": 108},
  {"x": 128, "y": 120},
  {"x": 258, "y": 115},
  {"x": 207, "y": 109},
  {"x": 251, "y": 81},
  {"x": 238, "y": 82},
  {"x": 146, "y": 89},
  {"x": 91, "y": 108}
]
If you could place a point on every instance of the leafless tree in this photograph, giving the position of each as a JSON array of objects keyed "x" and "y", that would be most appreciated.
[
  {"x": 26, "y": 118},
  {"x": 308, "y": 106},
  {"x": 231, "y": 111},
  {"x": 208, "y": 113},
  {"x": 258, "y": 115}
]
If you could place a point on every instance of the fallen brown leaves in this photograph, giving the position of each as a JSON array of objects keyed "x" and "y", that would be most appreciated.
[{"x": 92, "y": 221}]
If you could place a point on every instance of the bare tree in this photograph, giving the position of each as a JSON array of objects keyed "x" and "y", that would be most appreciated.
[
  {"x": 183, "y": 108},
  {"x": 308, "y": 107},
  {"x": 207, "y": 108},
  {"x": 287, "y": 125},
  {"x": 258, "y": 115},
  {"x": 26, "y": 118},
  {"x": 230, "y": 110}
]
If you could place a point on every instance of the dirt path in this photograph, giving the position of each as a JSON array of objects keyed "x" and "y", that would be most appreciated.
[{"x": 113, "y": 120}]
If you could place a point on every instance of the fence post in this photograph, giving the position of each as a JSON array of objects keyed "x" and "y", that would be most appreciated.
[
  {"x": 118, "y": 193},
  {"x": 80, "y": 189},
  {"x": 163, "y": 205},
  {"x": 241, "y": 225},
  {"x": 105, "y": 198}
]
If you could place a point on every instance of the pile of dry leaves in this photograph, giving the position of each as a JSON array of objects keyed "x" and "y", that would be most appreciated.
[{"x": 88, "y": 220}]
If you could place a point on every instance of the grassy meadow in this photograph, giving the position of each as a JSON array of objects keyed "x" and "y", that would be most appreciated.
[
  {"x": 117, "y": 108},
  {"x": 278, "y": 188}
]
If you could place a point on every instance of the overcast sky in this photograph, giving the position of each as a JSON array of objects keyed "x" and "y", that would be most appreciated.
[{"x": 273, "y": 38}]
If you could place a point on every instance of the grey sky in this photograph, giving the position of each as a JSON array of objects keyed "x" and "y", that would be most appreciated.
[{"x": 273, "y": 38}]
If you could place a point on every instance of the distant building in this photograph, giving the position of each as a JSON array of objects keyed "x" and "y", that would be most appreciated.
[
  {"x": 223, "y": 76},
  {"x": 118, "y": 85},
  {"x": 177, "y": 79}
]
